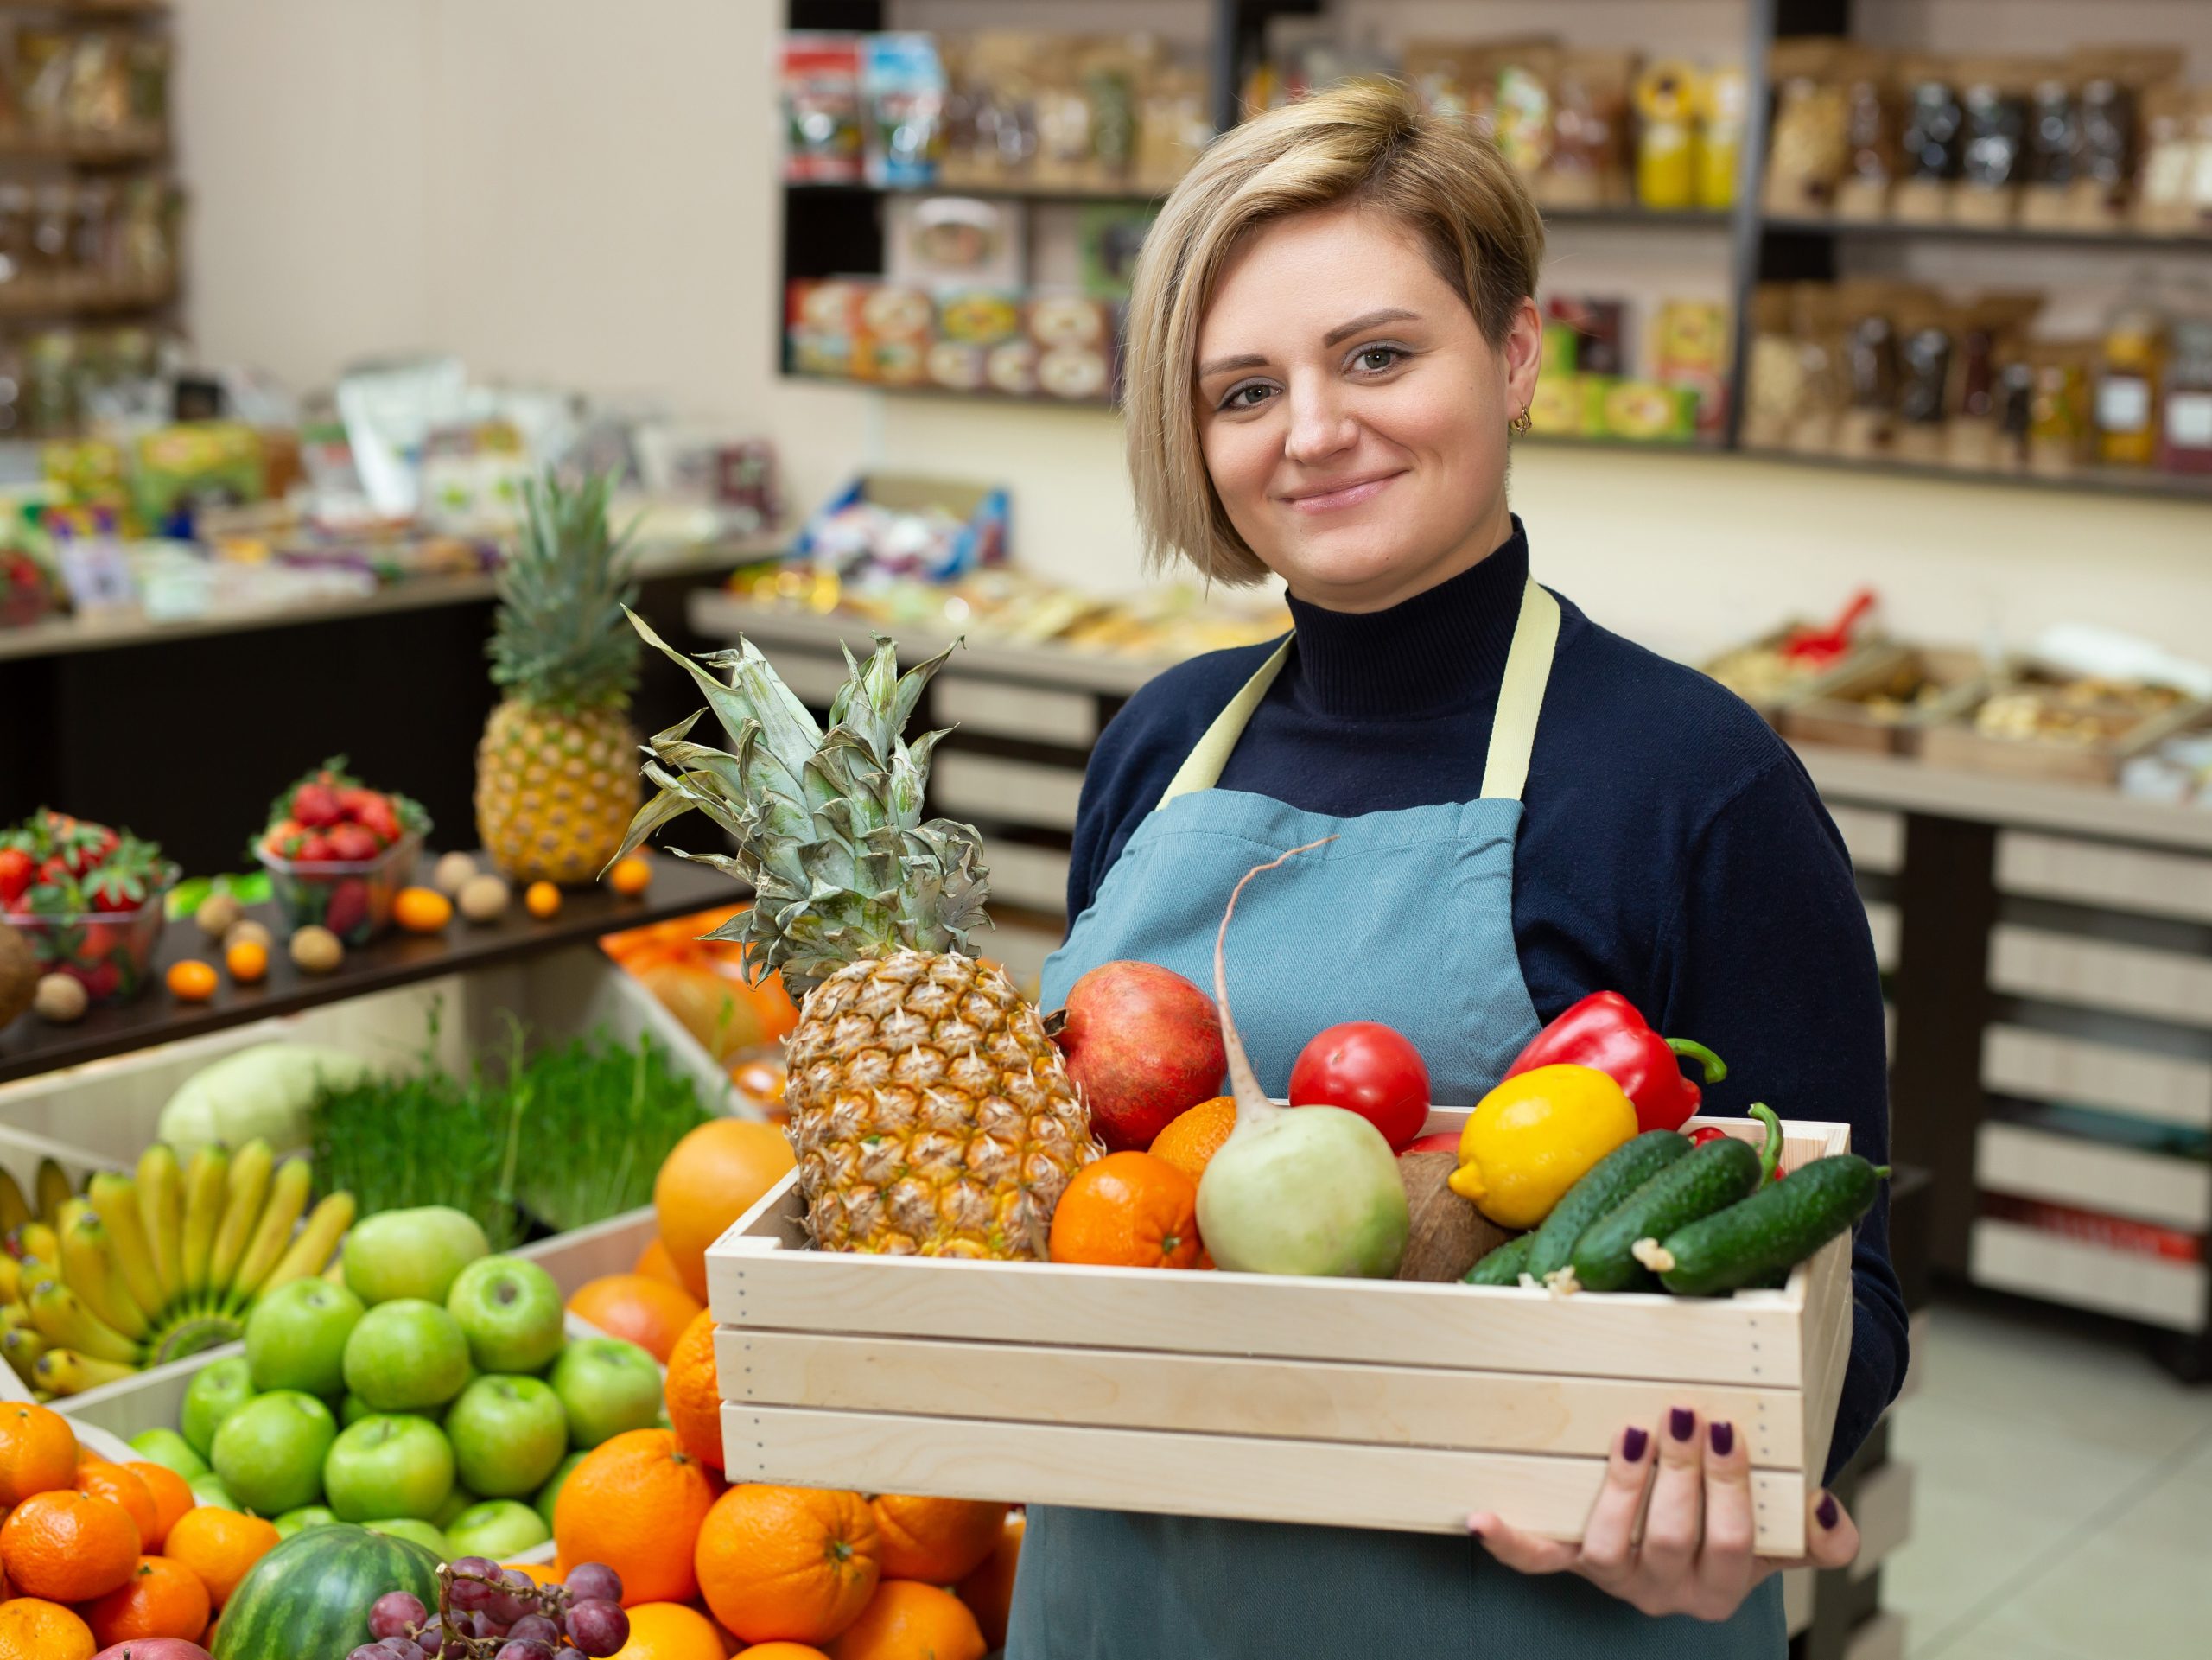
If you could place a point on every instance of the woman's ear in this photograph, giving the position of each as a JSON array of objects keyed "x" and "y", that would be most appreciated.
[{"x": 1520, "y": 352}]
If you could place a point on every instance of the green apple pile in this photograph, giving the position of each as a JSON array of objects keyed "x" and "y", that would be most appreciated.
[{"x": 434, "y": 1395}]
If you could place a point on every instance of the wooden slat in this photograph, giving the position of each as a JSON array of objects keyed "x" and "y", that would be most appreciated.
[
  {"x": 1875, "y": 838},
  {"x": 1252, "y": 1477},
  {"x": 1826, "y": 1338},
  {"x": 1392, "y": 1406},
  {"x": 1016, "y": 792},
  {"x": 1036, "y": 878},
  {"x": 2045, "y": 1066},
  {"x": 2060, "y": 967},
  {"x": 1004, "y": 709},
  {"x": 2011, "y": 1256},
  {"x": 2034, "y": 1163},
  {"x": 2090, "y": 873},
  {"x": 815, "y": 678},
  {"x": 1885, "y": 924},
  {"x": 1883, "y": 1510}
]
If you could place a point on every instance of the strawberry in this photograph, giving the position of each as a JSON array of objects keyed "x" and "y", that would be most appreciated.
[
  {"x": 53, "y": 871},
  {"x": 315, "y": 805},
  {"x": 377, "y": 815},
  {"x": 99, "y": 942},
  {"x": 101, "y": 980},
  {"x": 116, "y": 888},
  {"x": 313, "y": 848},
  {"x": 17, "y": 867},
  {"x": 354, "y": 844},
  {"x": 349, "y": 908}
]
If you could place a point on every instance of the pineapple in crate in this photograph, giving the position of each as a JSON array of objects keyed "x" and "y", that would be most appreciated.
[
  {"x": 555, "y": 781},
  {"x": 930, "y": 1111}
]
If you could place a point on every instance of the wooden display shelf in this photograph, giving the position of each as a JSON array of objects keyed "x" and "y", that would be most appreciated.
[
  {"x": 30, "y": 1045},
  {"x": 91, "y": 149},
  {"x": 28, "y": 297},
  {"x": 2130, "y": 241},
  {"x": 2096, "y": 480}
]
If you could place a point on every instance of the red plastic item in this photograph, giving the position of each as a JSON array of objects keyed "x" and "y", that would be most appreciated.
[{"x": 1827, "y": 645}]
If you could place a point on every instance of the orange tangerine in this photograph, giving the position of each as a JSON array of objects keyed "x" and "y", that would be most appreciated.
[
  {"x": 191, "y": 981},
  {"x": 247, "y": 960},
  {"x": 422, "y": 910},
  {"x": 542, "y": 900},
  {"x": 631, "y": 875}
]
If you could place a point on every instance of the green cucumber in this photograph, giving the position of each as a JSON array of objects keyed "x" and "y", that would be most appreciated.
[
  {"x": 1705, "y": 1180},
  {"x": 1607, "y": 1183},
  {"x": 1503, "y": 1264},
  {"x": 1770, "y": 1232}
]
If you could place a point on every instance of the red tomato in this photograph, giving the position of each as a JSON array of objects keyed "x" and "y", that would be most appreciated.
[
  {"x": 1368, "y": 1069},
  {"x": 1444, "y": 1141},
  {"x": 1708, "y": 1133}
]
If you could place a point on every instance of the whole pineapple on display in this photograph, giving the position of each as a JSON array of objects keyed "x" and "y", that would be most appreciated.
[
  {"x": 555, "y": 781},
  {"x": 930, "y": 1111}
]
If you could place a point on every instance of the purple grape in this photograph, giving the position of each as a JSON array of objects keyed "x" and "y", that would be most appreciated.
[
  {"x": 467, "y": 1596},
  {"x": 371, "y": 1651},
  {"x": 535, "y": 1628},
  {"x": 395, "y": 1613},
  {"x": 524, "y": 1650},
  {"x": 595, "y": 1582},
  {"x": 598, "y": 1627}
]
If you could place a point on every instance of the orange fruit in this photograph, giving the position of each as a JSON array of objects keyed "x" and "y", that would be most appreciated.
[
  {"x": 1129, "y": 1210},
  {"x": 38, "y": 1451},
  {"x": 798, "y": 1563},
  {"x": 539, "y": 1573},
  {"x": 695, "y": 1405},
  {"x": 248, "y": 961},
  {"x": 159, "y": 1598},
  {"x": 34, "y": 1630},
  {"x": 668, "y": 1631},
  {"x": 68, "y": 1546},
  {"x": 421, "y": 910},
  {"x": 220, "y": 1546},
  {"x": 780, "y": 1652},
  {"x": 172, "y": 1495},
  {"x": 988, "y": 1592},
  {"x": 712, "y": 1177},
  {"x": 542, "y": 900},
  {"x": 632, "y": 874},
  {"x": 647, "y": 1312},
  {"x": 935, "y": 1541},
  {"x": 653, "y": 1262},
  {"x": 908, "y": 1620},
  {"x": 104, "y": 1481},
  {"x": 1192, "y": 1138},
  {"x": 636, "y": 1502},
  {"x": 191, "y": 981}
]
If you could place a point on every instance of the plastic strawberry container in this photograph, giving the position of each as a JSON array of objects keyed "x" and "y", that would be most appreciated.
[
  {"x": 110, "y": 953},
  {"x": 352, "y": 898}
]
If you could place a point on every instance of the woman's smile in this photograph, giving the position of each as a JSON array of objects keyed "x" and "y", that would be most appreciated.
[{"x": 1335, "y": 498}]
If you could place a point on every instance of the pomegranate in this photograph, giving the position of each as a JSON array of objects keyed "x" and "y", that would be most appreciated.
[
  {"x": 1143, "y": 1045},
  {"x": 153, "y": 1648}
]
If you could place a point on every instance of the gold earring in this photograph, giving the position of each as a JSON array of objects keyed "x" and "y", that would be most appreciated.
[{"x": 1520, "y": 423}]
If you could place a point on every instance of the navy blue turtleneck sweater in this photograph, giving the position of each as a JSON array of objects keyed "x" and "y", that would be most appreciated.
[{"x": 1672, "y": 848}]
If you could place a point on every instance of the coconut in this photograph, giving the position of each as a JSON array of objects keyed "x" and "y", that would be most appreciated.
[
  {"x": 483, "y": 899},
  {"x": 1449, "y": 1235},
  {"x": 317, "y": 949},
  {"x": 18, "y": 974},
  {"x": 60, "y": 1000}
]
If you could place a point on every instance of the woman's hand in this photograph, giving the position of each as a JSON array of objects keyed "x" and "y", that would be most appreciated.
[{"x": 1695, "y": 1554}]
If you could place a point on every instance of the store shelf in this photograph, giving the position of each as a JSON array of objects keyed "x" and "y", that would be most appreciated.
[
  {"x": 2079, "y": 972},
  {"x": 987, "y": 192},
  {"x": 2094, "y": 480},
  {"x": 2026, "y": 1162},
  {"x": 2122, "y": 879},
  {"x": 24, "y": 298},
  {"x": 1874, "y": 839},
  {"x": 978, "y": 395},
  {"x": 2022, "y": 236},
  {"x": 86, "y": 149},
  {"x": 2052, "y": 1268},
  {"x": 2048, "y": 1066},
  {"x": 30, "y": 1045}
]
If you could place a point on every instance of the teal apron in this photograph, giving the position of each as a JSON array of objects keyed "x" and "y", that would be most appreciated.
[{"x": 1406, "y": 917}]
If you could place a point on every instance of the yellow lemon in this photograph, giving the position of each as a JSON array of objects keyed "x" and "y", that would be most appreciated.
[{"x": 1534, "y": 1136}]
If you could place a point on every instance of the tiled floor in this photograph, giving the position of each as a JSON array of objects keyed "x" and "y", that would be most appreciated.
[{"x": 2062, "y": 1497}]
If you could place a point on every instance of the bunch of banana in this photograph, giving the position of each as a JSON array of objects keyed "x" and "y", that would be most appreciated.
[{"x": 151, "y": 1267}]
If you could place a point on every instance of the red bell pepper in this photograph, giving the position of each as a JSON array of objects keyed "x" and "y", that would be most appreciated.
[{"x": 1604, "y": 1031}]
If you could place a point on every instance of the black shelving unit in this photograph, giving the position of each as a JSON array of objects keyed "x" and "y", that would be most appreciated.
[{"x": 835, "y": 230}]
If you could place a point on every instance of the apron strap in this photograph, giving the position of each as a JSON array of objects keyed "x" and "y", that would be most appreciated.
[{"x": 1513, "y": 730}]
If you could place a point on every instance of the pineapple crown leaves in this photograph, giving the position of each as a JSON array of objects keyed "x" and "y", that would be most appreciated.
[
  {"x": 827, "y": 826},
  {"x": 559, "y": 641}
]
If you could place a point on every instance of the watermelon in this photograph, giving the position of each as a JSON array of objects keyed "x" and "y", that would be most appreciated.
[{"x": 309, "y": 1598}]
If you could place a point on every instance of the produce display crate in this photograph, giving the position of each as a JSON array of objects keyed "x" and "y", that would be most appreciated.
[
  {"x": 1842, "y": 712},
  {"x": 1361, "y": 1403},
  {"x": 1878, "y": 656},
  {"x": 1958, "y": 742}
]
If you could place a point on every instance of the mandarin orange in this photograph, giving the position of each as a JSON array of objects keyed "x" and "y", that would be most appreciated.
[
  {"x": 1128, "y": 1209},
  {"x": 636, "y": 1503},
  {"x": 68, "y": 1546},
  {"x": 161, "y": 1599},
  {"x": 796, "y": 1563}
]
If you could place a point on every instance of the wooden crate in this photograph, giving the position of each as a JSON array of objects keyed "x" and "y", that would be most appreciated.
[
  {"x": 1958, "y": 742},
  {"x": 1877, "y": 657},
  {"x": 1841, "y": 713},
  {"x": 1362, "y": 1403}
]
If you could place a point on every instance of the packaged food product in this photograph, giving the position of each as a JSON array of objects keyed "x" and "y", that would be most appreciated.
[
  {"x": 939, "y": 242},
  {"x": 2130, "y": 369},
  {"x": 1590, "y": 131},
  {"x": 822, "y": 108},
  {"x": 1932, "y": 145},
  {"x": 2185, "y": 433},
  {"x": 2059, "y": 416},
  {"x": 1925, "y": 352},
  {"x": 897, "y": 322},
  {"x": 1871, "y": 137},
  {"x": 902, "y": 94},
  {"x": 1808, "y": 151},
  {"x": 1523, "y": 124},
  {"x": 1723, "y": 95},
  {"x": 2167, "y": 176},
  {"x": 1665, "y": 150},
  {"x": 1994, "y": 110},
  {"x": 1691, "y": 343}
]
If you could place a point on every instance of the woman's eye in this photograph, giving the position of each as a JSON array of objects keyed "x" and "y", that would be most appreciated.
[
  {"x": 1249, "y": 396},
  {"x": 1376, "y": 359}
]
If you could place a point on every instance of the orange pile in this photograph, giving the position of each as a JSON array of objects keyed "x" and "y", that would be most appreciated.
[{"x": 94, "y": 1554}]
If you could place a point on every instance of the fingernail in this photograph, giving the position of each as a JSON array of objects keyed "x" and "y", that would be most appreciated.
[
  {"x": 1634, "y": 1442},
  {"x": 1682, "y": 1424},
  {"x": 1825, "y": 1512},
  {"x": 1724, "y": 1438}
]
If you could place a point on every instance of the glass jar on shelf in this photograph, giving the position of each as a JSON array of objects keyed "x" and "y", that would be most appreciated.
[{"x": 2131, "y": 367}]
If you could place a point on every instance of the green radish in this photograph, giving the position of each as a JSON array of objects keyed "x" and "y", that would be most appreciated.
[
  {"x": 1704, "y": 1179},
  {"x": 1609, "y": 1181},
  {"x": 1297, "y": 1189},
  {"x": 1504, "y": 1265},
  {"x": 1773, "y": 1230}
]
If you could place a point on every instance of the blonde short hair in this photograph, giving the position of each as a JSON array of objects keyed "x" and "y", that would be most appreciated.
[{"x": 1368, "y": 142}]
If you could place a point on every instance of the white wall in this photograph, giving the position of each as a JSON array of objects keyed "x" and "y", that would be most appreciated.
[{"x": 581, "y": 191}]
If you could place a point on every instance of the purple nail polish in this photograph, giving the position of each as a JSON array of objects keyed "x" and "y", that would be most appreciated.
[
  {"x": 1681, "y": 1422},
  {"x": 1825, "y": 1512},
  {"x": 1633, "y": 1443},
  {"x": 1724, "y": 1438}
]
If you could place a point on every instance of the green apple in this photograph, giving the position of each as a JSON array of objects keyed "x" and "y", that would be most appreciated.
[
  {"x": 388, "y": 1464},
  {"x": 307, "y": 1516},
  {"x": 499, "y": 1529},
  {"x": 169, "y": 1450},
  {"x": 296, "y": 1337},
  {"x": 353, "y": 1408},
  {"x": 456, "y": 1501},
  {"x": 209, "y": 1490},
  {"x": 217, "y": 1390},
  {"x": 508, "y": 1434},
  {"x": 269, "y": 1451},
  {"x": 510, "y": 1310},
  {"x": 412, "y": 1527},
  {"x": 606, "y": 1386},
  {"x": 406, "y": 1356},
  {"x": 550, "y": 1494},
  {"x": 415, "y": 1253}
]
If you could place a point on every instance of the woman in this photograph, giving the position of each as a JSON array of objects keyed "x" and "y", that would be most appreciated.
[{"x": 1330, "y": 336}]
